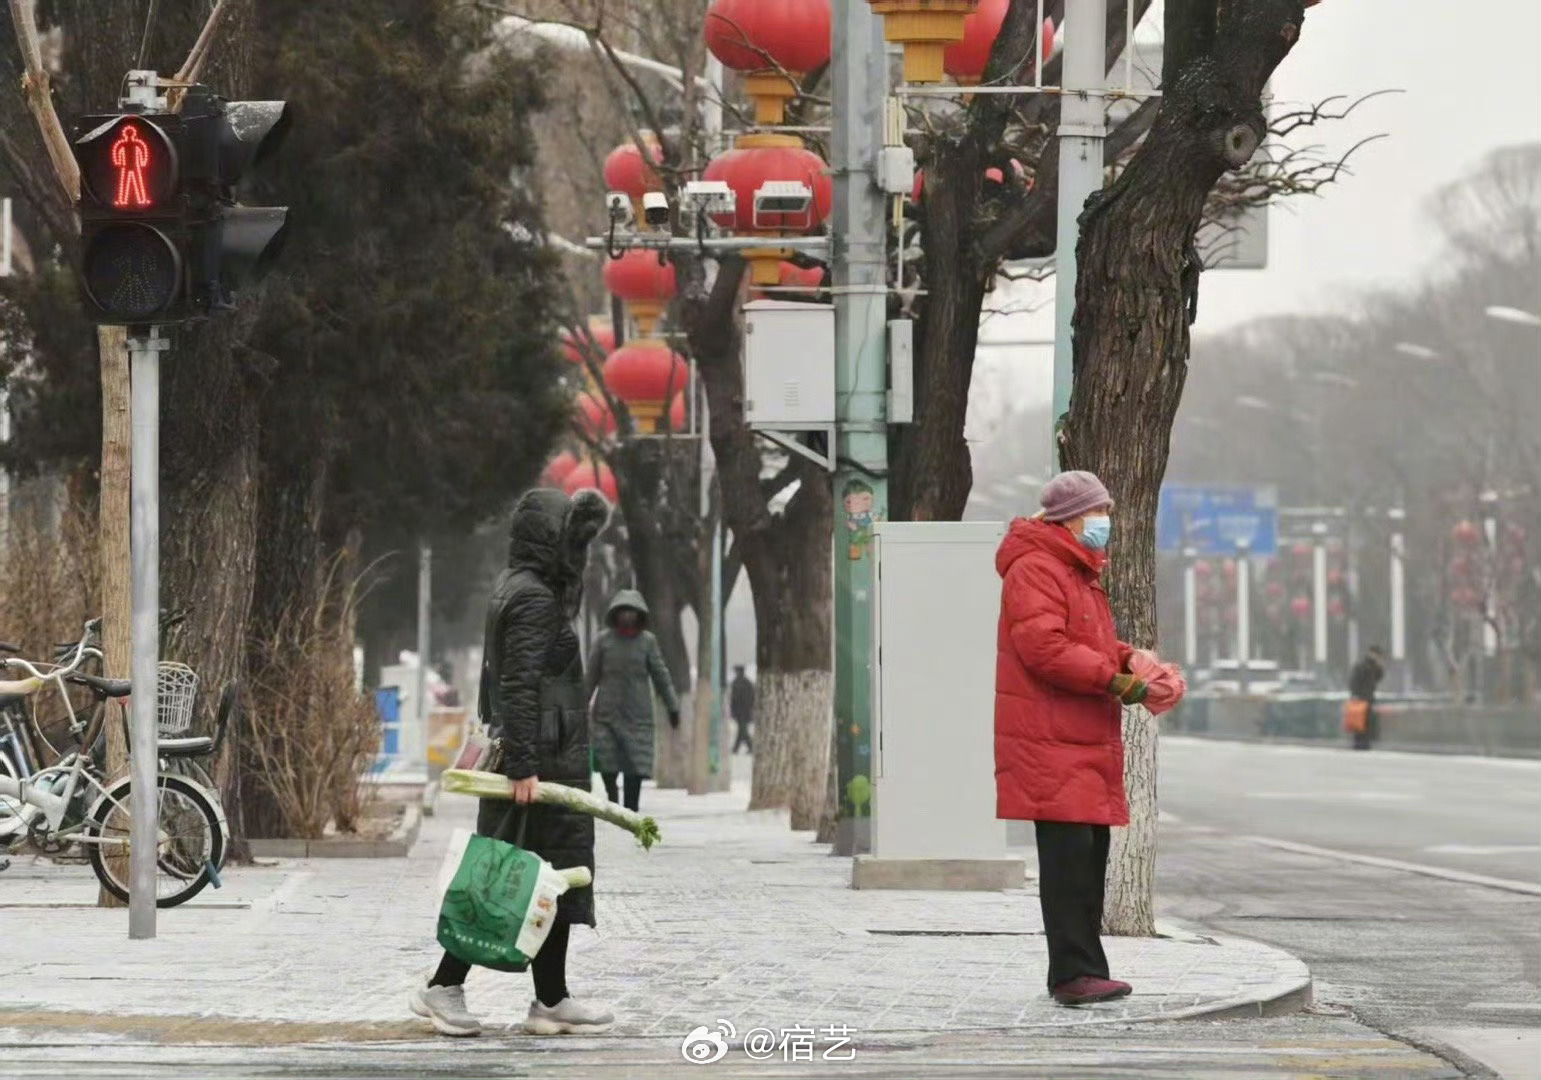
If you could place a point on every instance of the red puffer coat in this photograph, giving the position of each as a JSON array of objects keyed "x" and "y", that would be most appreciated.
[{"x": 1059, "y": 748}]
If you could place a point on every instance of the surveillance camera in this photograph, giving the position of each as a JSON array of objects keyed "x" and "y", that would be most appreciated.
[
  {"x": 783, "y": 198},
  {"x": 655, "y": 209},
  {"x": 710, "y": 197},
  {"x": 618, "y": 204}
]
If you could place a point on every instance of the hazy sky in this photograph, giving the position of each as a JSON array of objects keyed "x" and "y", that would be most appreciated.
[{"x": 1471, "y": 80}]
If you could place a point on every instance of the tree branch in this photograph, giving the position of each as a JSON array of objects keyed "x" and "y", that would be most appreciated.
[{"x": 37, "y": 89}]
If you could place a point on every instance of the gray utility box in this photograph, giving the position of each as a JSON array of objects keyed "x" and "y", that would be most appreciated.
[
  {"x": 933, "y": 698},
  {"x": 789, "y": 365}
]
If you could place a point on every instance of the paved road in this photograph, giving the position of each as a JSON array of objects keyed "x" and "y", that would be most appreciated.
[
  {"x": 1420, "y": 957},
  {"x": 1477, "y": 815}
]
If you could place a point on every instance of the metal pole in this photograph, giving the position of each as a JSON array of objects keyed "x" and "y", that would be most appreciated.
[
  {"x": 1190, "y": 610},
  {"x": 5, "y": 237},
  {"x": 1319, "y": 598},
  {"x": 1399, "y": 597},
  {"x": 1490, "y": 642},
  {"x": 1351, "y": 588},
  {"x": 1081, "y": 133},
  {"x": 859, "y": 83},
  {"x": 424, "y": 614},
  {"x": 144, "y": 538},
  {"x": 1243, "y": 615}
]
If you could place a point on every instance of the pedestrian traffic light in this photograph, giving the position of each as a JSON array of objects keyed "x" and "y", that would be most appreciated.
[
  {"x": 162, "y": 237},
  {"x": 132, "y": 217}
]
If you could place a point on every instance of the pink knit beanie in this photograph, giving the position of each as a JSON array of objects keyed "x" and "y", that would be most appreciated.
[{"x": 1071, "y": 494}]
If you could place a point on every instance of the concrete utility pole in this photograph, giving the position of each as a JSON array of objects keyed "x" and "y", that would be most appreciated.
[
  {"x": 1398, "y": 518},
  {"x": 1082, "y": 128},
  {"x": 859, "y": 84},
  {"x": 1319, "y": 598}
]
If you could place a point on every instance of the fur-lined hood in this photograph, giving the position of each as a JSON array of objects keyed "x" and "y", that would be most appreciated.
[{"x": 551, "y": 533}]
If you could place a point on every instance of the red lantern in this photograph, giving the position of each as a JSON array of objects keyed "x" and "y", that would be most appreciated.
[
  {"x": 646, "y": 375},
  {"x": 1202, "y": 569},
  {"x": 1230, "y": 569},
  {"x": 966, "y": 60},
  {"x": 603, "y": 335},
  {"x": 586, "y": 475},
  {"x": 1335, "y": 578},
  {"x": 1336, "y": 609},
  {"x": 759, "y": 159},
  {"x": 1465, "y": 597},
  {"x": 1301, "y": 550},
  {"x": 1276, "y": 590},
  {"x": 760, "y": 36},
  {"x": 627, "y": 172},
  {"x": 558, "y": 469},
  {"x": 594, "y": 416},
  {"x": 1300, "y": 607},
  {"x": 1467, "y": 534},
  {"x": 644, "y": 283}
]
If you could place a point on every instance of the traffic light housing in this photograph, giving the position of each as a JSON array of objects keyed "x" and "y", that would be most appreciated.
[{"x": 162, "y": 237}]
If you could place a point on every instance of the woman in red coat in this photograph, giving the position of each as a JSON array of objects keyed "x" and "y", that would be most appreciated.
[{"x": 1061, "y": 682}]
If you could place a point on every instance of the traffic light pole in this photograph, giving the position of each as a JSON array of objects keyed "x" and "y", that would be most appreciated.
[
  {"x": 145, "y": 351},
  {"x": 859, "y": 77}
]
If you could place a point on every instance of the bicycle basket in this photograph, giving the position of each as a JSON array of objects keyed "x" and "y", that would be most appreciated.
[{"x": 177, "y": 687}]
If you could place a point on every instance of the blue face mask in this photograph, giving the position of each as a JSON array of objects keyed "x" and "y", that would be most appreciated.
[{"x": 1096, "y": 530}]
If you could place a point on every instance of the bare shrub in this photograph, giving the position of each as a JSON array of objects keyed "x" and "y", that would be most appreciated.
[
  {"x": 310, "y": 733},
  {"x": 49, "y": 575}
]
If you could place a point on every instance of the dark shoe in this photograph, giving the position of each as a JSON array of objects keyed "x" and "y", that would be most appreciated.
[{"x": 1087, "y": 989}]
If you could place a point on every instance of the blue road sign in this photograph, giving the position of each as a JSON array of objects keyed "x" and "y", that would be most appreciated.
[{"x": 1214, "y": 520}]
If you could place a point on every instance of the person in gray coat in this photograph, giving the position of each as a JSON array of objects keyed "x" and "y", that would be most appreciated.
[{"x": 625, "y": 659}]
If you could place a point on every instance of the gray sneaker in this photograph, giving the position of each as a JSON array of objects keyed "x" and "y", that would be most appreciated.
[
  {"x": 568, "y": 1017},
  {"x": 446, "y": 1007}
]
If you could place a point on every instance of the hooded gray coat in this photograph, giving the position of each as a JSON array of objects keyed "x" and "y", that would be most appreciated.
[
  {"x": 621, "y": 670},
  {"x": 532, "y": 680}
]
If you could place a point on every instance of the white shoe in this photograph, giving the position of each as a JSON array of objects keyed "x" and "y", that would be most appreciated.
[
  {"x": 568, "y": 1017},
  {"x": 446, "y": 1007}
]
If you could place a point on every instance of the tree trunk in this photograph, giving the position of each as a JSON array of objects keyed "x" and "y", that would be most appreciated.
[
  {"x": 117, "y": 563},
  {"x": 794, "y": 695},
  {"x": 933, "y": 471},
  {"x": 1136, "y": 296},
  {"x": 829, "y": 817}
]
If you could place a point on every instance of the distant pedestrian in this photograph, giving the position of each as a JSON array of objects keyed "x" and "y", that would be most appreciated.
[
  {"x": 531, "y": 700},
  {"x": 625, "y": 666},
  {"x": 741, "y": 702},
  {"x": 1363, "y": 681},
  {"x": 1061, "y": 683}
]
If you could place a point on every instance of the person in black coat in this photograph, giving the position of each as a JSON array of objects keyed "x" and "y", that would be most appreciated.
[
  {"x": 1362, "y": 684},
  {"x": 741, "y": 702},
  {"x": 532, "y": 701}
]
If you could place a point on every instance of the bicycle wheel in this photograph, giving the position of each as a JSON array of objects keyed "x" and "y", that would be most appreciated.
[{"x": 191, "y": 842}]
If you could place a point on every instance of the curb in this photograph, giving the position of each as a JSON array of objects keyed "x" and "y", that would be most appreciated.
[{"x": 395, "y": 846}]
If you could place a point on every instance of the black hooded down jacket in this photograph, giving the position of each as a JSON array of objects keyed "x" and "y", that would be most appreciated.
[{"x": 532, "y": 679}]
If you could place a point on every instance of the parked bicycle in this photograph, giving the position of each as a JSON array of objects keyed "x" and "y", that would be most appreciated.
[{"x": 69, "y": 804}]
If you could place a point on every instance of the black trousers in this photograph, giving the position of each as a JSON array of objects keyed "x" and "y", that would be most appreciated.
[
  {"x": 743, "y": 739},
  {"x": 633, "y": 792},
  {"x": 1072, "y": 871},
  {"x": 549, "y": 968}
]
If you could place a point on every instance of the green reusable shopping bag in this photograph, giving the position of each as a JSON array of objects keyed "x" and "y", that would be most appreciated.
[{"x": 487, "y": 905}]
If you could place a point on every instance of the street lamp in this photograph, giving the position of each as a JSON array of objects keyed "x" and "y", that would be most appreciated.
[{"x": 1513, "y": 315}]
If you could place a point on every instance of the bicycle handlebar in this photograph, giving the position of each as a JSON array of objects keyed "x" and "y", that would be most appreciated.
[{"x": 63, "y": 670}]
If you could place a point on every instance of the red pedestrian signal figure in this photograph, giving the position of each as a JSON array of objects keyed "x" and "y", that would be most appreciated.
[{"x": 131, "y": 157}]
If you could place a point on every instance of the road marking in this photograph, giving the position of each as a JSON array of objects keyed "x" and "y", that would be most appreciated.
[
  {"x": 1474, "y": 849},
  {"x": 1396, "y": 864},
  {"x": 1525, "y": 1007}
]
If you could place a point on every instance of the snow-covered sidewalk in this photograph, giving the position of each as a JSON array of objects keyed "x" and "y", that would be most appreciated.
[{"x": 733, "y": 917}]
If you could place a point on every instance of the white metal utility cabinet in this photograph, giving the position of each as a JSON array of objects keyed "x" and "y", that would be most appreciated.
[{"x": 933, "y": 694}]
